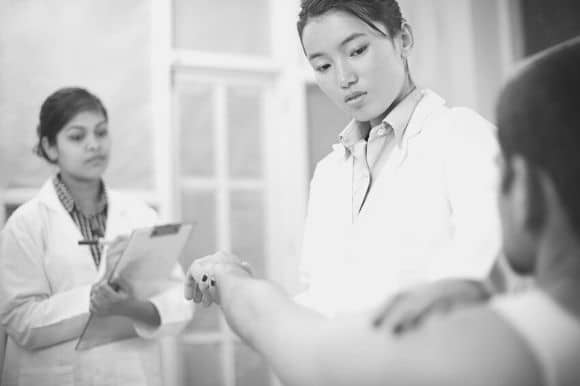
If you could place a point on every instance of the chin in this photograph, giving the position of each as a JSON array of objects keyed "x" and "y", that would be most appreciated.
[
  {"x": 364, "y": 115},
  {"x": 91, "y": 176}
]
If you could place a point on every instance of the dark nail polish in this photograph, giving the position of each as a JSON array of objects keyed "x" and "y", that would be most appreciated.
[
  {"x": 204, "y": 278},
  {"x": 212, "y": 282}
]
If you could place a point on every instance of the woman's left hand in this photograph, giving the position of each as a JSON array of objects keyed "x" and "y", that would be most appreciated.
[{"x": 109, "y": 298}]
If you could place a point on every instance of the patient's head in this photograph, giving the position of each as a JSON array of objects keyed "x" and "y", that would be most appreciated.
[{"x": 539, "y": 132}]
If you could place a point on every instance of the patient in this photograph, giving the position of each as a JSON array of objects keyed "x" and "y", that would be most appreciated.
[{"x": 532, "y": 338}]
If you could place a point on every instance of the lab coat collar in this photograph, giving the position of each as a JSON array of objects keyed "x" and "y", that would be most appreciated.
[
  {"x": 429, "y": 102},
  {"x": 116, "y": 212},
  {"x": 65, "y": 197}
]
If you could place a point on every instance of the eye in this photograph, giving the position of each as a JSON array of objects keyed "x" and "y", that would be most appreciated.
[
  {"x": 322, "y": 67},
  {"x": 359, "y": 51},
  {"x": 102, "y": 133},
  {"x": 76, "y": 137}
]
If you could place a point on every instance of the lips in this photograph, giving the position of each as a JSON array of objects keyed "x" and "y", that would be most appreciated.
[
  {"x": 96, "y": 159},
  {"x": 354, "y": 96}
]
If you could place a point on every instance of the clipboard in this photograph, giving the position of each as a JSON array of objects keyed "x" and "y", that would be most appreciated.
[{"x": 146, "y": 265}]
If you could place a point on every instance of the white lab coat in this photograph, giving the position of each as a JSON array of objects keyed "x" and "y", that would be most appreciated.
[
  {"x": 45, "y": 281},
  {"x": 431, "y": 213}
]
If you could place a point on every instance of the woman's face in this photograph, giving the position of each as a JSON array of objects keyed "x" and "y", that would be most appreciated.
[
  {"x": 83, "y": 146},
  {"x": 360, "y": 70}
]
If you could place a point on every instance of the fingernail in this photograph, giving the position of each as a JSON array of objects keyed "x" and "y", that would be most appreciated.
[
  {"x": 204, "y": 278},
  {"x": 212, "y": 282}
]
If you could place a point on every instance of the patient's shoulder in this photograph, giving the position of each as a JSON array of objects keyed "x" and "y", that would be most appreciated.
[{"x": 474, "y": 346}]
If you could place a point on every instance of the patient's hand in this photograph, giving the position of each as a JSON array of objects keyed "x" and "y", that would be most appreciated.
[
  {"x": 202, "y": 283},
  {"x": 409, "y": 308}
]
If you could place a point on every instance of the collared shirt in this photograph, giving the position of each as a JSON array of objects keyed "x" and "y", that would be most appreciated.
[
  {"x": 369, "y": 155},
  {"x": 92, "y": 226}
]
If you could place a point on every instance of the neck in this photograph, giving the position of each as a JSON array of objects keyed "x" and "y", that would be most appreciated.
[
  {"x": 85, "y": 193},
  {"x": 407, "y": 88}
]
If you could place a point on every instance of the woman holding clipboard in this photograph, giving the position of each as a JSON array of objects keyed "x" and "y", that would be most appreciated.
[{"x": 49, "y": 283}]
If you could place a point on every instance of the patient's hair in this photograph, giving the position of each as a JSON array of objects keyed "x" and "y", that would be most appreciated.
[
  {"x": 386, "y": 12},
  {"x": 539, "y": 119},
  {"x": 58, "y": 109}
]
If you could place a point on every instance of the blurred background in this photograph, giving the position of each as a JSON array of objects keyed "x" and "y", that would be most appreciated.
[{"x": 216, "y": 119}]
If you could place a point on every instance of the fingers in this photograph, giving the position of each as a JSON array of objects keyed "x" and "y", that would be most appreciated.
[
  {"x": 189, "y": 286},
  {"x": 198, "y": 282},
  {"x": 414, "y": 319},
  {"x": 201, "y": 280},
  {"x": 204, "y": 287},
  {"x": 387, "y": 310},
  {"x": 197, "y": 294}
]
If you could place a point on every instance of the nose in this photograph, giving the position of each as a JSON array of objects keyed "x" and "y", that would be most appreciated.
[
  {"x": 93, "y": 143},
  {"x": 346, "y": 76}
]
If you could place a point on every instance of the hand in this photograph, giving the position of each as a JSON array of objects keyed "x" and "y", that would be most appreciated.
[
  {"x": 408, "y": 309},
  {"x": 201, "y": 284},
  {"x": 109, "y": 298}
]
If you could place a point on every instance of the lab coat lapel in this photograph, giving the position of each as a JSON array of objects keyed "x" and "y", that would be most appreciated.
[
  {"x": 116, "y": 216},
  {"x": 63, "y": 223},
  {"x": 387, "y": 182},
  {"x": 341, "y": 196},
  {"x": 428, "y": 105}
]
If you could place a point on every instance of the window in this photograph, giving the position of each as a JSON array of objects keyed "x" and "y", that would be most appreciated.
[{"x": 239, "y": 161}]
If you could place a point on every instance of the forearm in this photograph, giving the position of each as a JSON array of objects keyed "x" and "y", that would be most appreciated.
[
  {"x": 249, "y": 304},
  {"x": 270, "y": 322},
  {"x": 141, "y": 311},
  {"x": 35, "y": 324}
]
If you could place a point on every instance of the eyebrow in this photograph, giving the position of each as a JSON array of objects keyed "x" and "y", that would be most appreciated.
[
  {"x": 348, "y": 39},
  {"x": 80, "y": 127}
]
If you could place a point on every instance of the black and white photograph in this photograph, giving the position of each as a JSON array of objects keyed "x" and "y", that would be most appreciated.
[{"x": 289, "y": 192}]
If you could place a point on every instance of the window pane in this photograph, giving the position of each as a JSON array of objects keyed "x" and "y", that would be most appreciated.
[
  {"x": 247, "y": 228},
  {"x": 250, "y": 368},
  {"x": 9, "y": 209},
  {"x": 201, "y": 364},
  {"x": 325, "y": 122},
  {"x": 226, "y": 26},
  {"x": 199, "y": 207},
  {"x": 196, "y": 140},
  {"x": 244, "y": 127}
]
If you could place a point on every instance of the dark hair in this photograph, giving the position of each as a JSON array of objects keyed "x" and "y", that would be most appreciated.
[
  {"x": 58, "y": 109},
  {"x": 539, "y": 119},
  {"x": 386, "y": 12}
]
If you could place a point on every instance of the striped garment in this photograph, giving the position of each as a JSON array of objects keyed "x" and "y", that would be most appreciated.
[{"x": 91, "y": 226}]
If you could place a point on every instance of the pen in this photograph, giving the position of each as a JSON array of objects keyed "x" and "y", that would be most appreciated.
[{"x": 93, "y": 242}]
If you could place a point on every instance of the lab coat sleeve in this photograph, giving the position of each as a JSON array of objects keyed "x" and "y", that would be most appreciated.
[
  {"x": 173, "y": 309},
  {"x": 471, "y": 178},
  {"x": 29, "y": 312}
]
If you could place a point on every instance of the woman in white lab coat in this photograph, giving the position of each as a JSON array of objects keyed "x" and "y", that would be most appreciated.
[
  {"x": 407, "y": 195},
  {"x": 49, "y": 283}
]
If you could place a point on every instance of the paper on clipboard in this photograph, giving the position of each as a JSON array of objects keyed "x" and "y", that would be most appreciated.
[{"x": 146, "y": 266}]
